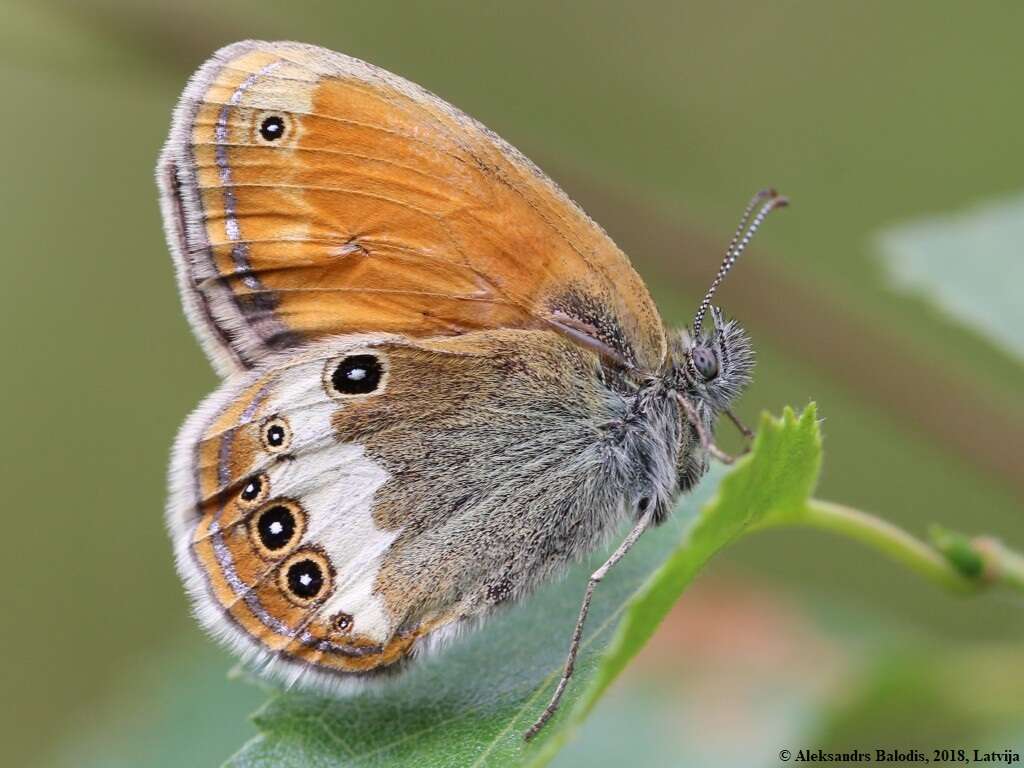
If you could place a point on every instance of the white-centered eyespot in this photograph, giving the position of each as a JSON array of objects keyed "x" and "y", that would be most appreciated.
[
  {"x": 254, "y": 491},
  {"x": 273, "y": 127},
  {"x": 276, "y": 435},
  {"x": 359, "y": 372},
  {"x": 305, "y": 577},
  {"x": 277, "y": 527},
  {"x": 342, "y": 622}
]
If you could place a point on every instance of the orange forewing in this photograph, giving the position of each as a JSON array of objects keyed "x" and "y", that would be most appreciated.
[{"x": 380, "y": 207}]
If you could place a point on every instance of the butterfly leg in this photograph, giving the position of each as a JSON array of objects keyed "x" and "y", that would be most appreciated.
[
  {"x": 747, "y": 432},
  {"x": 705, "y": 441},
  {"x": 577, "y": 634}
]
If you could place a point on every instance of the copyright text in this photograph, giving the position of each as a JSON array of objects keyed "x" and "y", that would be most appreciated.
[{"x": 896, "y": 756}]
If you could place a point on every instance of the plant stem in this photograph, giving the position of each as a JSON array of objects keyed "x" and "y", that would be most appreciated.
[
  {"x": 953, "y": 560},
  {"x": 1006, "y": 565}
]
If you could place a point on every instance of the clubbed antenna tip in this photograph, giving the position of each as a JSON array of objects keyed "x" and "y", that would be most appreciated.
[{"x": 764, "y": 202}]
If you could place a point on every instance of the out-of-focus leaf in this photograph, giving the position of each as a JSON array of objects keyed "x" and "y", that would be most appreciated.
[
  {"x": 170, "y": 708},
  {"x": 946, "y": 698},
  {"x": 968, "y": 264}
]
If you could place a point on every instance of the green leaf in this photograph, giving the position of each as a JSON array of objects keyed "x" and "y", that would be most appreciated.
[
  {"x": 470, "y": 705},
  {"x": 967, "y": 264},
  {"x": 168, "y": 708},
  {"x": 775, "y": 480}
]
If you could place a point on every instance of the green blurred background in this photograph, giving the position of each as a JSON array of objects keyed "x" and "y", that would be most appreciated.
[{"x": 660, "y": 118}]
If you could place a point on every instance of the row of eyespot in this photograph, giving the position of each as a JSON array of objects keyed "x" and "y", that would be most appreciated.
[
  {"x": 355, "y": 375},
  {"x": 275, "y": 528},
  {"x": 278, "y": 525}
]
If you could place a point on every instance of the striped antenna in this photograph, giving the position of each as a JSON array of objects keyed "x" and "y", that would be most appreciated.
[{"x": 768, "y": 200}]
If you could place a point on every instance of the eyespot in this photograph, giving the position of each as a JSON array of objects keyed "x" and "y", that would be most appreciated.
[
  {"x": 277, "y": 528},
  {"x": 276, "y": 435},
  {"x": 254, "y": 491},
  {"x": 305, "y": 577},
  {"x": 356, "y": 374},
  {"x": 705, "y": 361},
  {"x": 342, "y": 622},
  {"x": 272, "y": 128}
]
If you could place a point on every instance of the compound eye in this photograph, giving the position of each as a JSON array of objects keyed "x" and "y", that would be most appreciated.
[{"x": 705, "y": 361}]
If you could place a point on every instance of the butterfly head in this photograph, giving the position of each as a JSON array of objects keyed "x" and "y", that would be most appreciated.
[
  {"x": 715, "y": 368},
  {"x": 712, "y": 367}
]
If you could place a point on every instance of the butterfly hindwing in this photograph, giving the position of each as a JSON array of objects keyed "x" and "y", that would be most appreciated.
[
  {"x": 337, "y": 506},
  {"x": 306, "y": 194}
]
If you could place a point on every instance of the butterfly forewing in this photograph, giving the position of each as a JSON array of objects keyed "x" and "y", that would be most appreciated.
[{"x": 307, "y": 193}]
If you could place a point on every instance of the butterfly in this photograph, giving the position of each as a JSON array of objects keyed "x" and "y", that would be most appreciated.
[{"x": 442, "y": 382}]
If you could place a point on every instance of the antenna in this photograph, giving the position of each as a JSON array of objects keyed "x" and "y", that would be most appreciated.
[{"x": 744, "y": 234}]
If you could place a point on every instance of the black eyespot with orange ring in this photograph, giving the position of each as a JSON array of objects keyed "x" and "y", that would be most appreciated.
[
  {"x": 305, "y": 577},
  {"x": 277, "y": 528},
  {"x": 254, "y": 491},
  {"x": 276, "y": 435}
]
